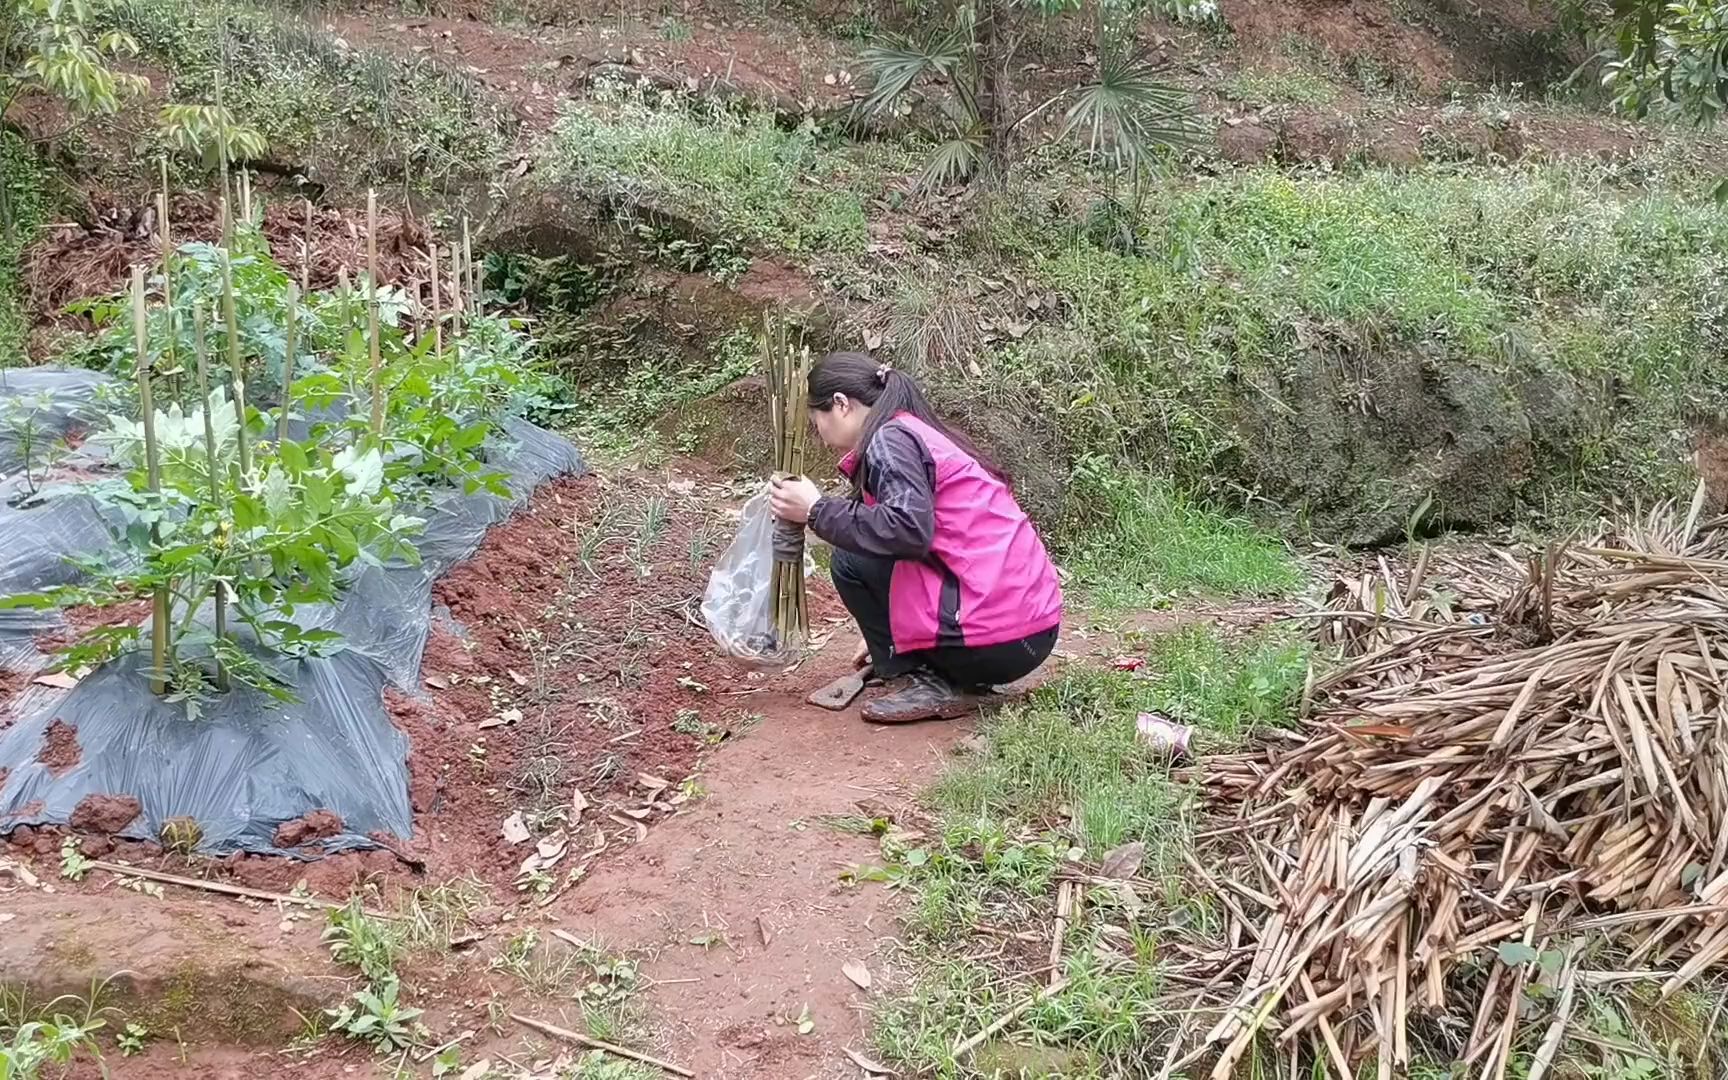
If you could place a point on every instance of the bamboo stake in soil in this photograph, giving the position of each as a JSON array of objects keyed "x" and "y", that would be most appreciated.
[
  {"x": 306, "y": 253},
  {"x": 473, "y": 282},
  {"x": 437, "y": 304},
  {"x": 173, "y": 366},
  {"x": 218, "y": 599},
  {"x": 236, "y": 367},
  {"x": 288, "y": 362},
  {"x": 159, "y": 612},
  {"x": 222, "y": 171},
  {"x": 372, "y": 312}
]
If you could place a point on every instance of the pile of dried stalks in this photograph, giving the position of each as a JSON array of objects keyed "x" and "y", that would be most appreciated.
[
  {"x": 1480, "y": 806},
  {"x": 71, "y": 262}
]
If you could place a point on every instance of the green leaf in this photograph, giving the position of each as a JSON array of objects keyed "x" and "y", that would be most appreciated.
[
  {"x": 1513, "y": 953},
  {"x": 293, "y": 456},
  {"x": 320, "y": 493}
]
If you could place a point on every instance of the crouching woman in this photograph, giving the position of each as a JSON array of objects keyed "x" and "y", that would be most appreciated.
[{"x": 949, "y": 582}]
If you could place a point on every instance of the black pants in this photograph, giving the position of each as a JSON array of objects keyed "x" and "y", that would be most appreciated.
[{"x": 862, "y": 582}]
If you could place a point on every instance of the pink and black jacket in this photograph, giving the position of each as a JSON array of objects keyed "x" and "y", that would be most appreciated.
[{"x": 969, "y": 568}]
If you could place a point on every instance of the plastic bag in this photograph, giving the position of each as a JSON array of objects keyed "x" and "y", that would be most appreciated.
[{"x": 739, "y": 603}]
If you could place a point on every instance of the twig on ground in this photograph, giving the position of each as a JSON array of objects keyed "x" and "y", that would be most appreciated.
[
  {"x": 226, "y": 889},
  {"x": 595, "y": 1044},
  {"x": 961, "y": 1049}
]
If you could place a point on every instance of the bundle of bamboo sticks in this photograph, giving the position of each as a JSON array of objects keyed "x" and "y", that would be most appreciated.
[
  {"x": 787, "y": 363},
  {"x": 1476, "y": 806}
]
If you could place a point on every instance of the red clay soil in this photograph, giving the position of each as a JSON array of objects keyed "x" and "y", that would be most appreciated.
[
  {"x": 103, "y": 815},
  {"x": 12, "y": 683},
  {"x": 318, "y": 825},
  {"x": 533, "y": 70},
  {"x": 572, "y": 678},
  {"x": 84, "y": 618},
  {"x": 60, "y": 750}
]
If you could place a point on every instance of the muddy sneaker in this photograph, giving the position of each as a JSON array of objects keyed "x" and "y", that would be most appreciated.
[{"x": 927, "y": 696}]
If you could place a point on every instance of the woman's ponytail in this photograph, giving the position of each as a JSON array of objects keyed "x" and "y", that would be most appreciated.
[{"x": 889, "y": 393}]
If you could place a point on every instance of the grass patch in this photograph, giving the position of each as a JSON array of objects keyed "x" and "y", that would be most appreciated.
[
  {"x": 1279, "y": 86},
  {"x": 1138, "y": 542},
  {"x": 742, "y": 173},
  {"x": 23, "y": 206},
  {"x": 351, "y": 116},
  {"x": 1289, "y": 339},
  {"x": 1064, "y": 775},
  {"x": 1227, "y": 689},
  {"x": 624, "y": 396}
]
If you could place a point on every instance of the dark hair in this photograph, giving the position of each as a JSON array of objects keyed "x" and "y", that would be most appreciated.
[{"x": 863, "y": 378}]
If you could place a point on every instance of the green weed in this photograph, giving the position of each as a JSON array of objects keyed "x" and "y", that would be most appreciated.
[
  {"x": 376, "y": 1016},
  {"x": 622, "y": 405},
  {"x": 1278, "y": 86},
  {"x": 361, "y": 941},
  {"x": 1071, "y": 754},
  {"x": 1227, "y": 689}
]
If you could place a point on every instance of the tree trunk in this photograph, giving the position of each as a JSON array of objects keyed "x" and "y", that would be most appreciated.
[{"x": 991, "y": 88}]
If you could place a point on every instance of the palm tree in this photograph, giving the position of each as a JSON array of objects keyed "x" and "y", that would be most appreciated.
[{"x": 958, "y": 65}]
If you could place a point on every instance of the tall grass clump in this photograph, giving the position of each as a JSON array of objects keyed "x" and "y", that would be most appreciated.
[{"x": 731, "y": 172}]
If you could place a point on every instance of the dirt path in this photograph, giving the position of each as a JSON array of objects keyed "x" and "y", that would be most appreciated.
[{"x": 740, "y": 900}]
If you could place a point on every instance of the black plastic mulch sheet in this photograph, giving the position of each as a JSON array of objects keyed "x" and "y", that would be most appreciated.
[{"x": 246, "y": 764}]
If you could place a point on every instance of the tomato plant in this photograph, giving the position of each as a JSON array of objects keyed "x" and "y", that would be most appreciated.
[{"x": 216, "y": 512}]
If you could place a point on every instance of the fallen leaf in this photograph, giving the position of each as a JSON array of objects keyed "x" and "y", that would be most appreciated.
[
  {"x": 7, "y": 916},
  {"x": 578, "y": 805},
  {"x": 517, "y": 677},
  {"x": 552, "y": 848},
  {"x": 972, "y": 744},
  {"x": 873, "y": 1068},
  {"x": 652, "y": 782},
  {"x": 515, "y": 829},
  {"x": 477, "y": 1070},
  {"x": 872, "y": 341},
  {"x": 1123, "y": 862},
  {"x": 857, "y": 972},
  {"x": 437, "y": 683},
  {"x": 806, "y": 1022},
  {"x": 59, "y": 680},
  {"x": 636, "y": 813},
  {"x": 763, "y": 932}
]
